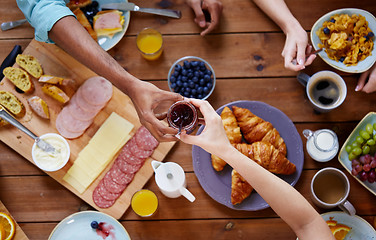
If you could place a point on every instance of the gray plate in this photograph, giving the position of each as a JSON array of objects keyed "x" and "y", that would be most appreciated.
[{"x": 218, "y": 184}]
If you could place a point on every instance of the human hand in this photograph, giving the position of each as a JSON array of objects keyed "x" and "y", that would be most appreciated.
[
  {"x": 146, "y": 98},
  {"x": 297, "y": 51},
  {"x": 214, "y": 7},
  {"x": 213, "y": 138},
  {"x": 370, "y": 85}
]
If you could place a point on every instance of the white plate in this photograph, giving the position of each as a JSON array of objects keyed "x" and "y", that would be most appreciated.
[
  {"x": 343, "y": 156},
  {"x": 362, "y": 66},
  {"x": 107, "y": 43},
  {"x": 360, "y": 228},
  {"x": 78, "y": 226}
]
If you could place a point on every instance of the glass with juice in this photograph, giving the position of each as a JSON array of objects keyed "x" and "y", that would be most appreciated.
[
  {"x": 144, "y": 203},
  {"x": 150, "y": 43}
]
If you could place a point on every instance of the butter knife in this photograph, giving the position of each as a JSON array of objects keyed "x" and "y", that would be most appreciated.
[
  {"x": 128, "y": 6},
  {"x": 45, "y": 146}
]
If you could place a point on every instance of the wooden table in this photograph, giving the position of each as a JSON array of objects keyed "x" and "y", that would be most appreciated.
[{"x": 245, "y": 54}]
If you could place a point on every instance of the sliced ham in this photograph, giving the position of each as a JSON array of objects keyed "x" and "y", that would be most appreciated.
[
  {"x": 96, "y": 90},
  {"x": 65, "y": 132},
  {"x": 107, "y": 21},
  {"x": 79, "y": 113},
  {"x": 72, "y": 124}
]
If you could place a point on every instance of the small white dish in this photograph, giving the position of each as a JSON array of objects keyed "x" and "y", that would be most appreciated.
[
  {"x": 78, "y": 226},
  {"x": 362, "y": 66},
  {"x": 54, "y": 161}
]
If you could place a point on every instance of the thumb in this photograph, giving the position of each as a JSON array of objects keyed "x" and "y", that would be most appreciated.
[
  {"x": 185, "y": 138},
  {"x": 361, "y": 81}
]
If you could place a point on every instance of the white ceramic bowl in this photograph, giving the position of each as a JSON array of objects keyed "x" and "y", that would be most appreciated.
[
  {"x": 192, "y": 58},
  {"x": 53, "y": 167},
  {"x": 362, "y": 66}
]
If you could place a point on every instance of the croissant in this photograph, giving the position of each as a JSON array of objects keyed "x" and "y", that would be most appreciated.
[
  {"x": 233, "y": 134},
  {"x": 85, "y": 23},
  {"x": 240, "y": 188},
  {"x": 266, "y": 155},
  {"x": 256, "y": 129}
]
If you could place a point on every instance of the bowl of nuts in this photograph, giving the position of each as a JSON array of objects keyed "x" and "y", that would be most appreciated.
[{"x": 191, "y": 77}]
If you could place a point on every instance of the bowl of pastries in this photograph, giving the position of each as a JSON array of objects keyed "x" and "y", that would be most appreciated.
[{"x": 347, "y": 37}]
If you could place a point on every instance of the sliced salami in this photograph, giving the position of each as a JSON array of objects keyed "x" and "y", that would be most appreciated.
[
  {"x": 145, "y": 140},
  {"x": 85, "y": 104},
  {"x": 127, "y": 156},
  {"x": 127, "y": 168},
  {"x": 65, "y": 132},
  {"x": 109, "y": 196},
  {"x": 112, "y": 186},
  {"x": 97, "y": 90},
  {"x": 79, "y": 113},
  {"x": 120, "y": 177},
  {"x": 137, "y": 151},
  {"x": 72, "y": 124},
  {"x": 100, "y": 201}
]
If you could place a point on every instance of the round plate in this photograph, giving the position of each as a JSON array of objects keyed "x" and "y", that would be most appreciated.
[
  {"x": 77, "y": 226},
  {"x": 360, "y": 228},
  {"x": 107, "y": 43},
  {"x": 362, "y": 66},
  {"x": 218, "y": 184}
]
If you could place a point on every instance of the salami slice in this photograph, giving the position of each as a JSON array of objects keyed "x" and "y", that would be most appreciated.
[
  {"x": 112, "y": 186},
  {"x": 120, "y": 177},
  {"x": 79, "y": 113},
  {"x": 72, "y": 124},
  {"x": 127, "y": 156},
  {"x": 109, "y": 196},
  {"x": 100, "y": 201},
  {"x": 137, "y": 151},
  {"x": 97, "y": 90},
  {"x": 127, "y": 168},
  {"x": 145, "y": 140},
  {"x": 65, "y": 132},
  {"x": 86, "y": 105}
]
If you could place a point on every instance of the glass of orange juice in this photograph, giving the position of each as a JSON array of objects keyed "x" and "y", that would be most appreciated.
[
  {"x": 150, "y": 43},
  {"x": 144, "y": 203}
]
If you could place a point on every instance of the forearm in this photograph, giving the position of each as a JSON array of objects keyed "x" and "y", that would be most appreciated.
[
  {"x": 68, "y": 34},
  {"x": 288, "y": 203},
  {"x": 278, "y": 11}
]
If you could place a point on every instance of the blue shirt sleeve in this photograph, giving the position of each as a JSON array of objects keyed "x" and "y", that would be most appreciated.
[{"x": 43, "y": 14}]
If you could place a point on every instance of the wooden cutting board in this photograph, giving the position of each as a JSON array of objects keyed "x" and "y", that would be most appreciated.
[
  {"x": 19, "y": 234},
  {"x": 56, "y": 62}
]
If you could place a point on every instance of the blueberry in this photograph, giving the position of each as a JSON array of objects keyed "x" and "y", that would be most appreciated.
[
  {"x": 326, "y": 31},
  {"x": 203, "y": 68},
  {"x": 186, "y": 94},
  {"x": 370, "y": 34},
  {"x": 360, "y": 51},
  {"x": 200, "y": 90},
  {"x": 191, "y": 84},
  {"x": 184, "y": 78},
  {"x": 342, "y": 59},
  {"x": 206, "y": 90},
  {"x": 188, "y": 90},
  {"x": 176, "y": 73},
  {"x": 94, "y": 224},
  {"x": 185, "y": 84},
  {"x": 182, "y": 89},
  {"x": 194, "y": 63},
  {"x": 332, "y": 20},
  {"x": 194, "y": 91},
  {"x": 202, "y": 64},
  {"x": 187, "y": 64},
  {"x": 94, "y": 4},
  {"x": 195, "y": 79},
  {"x": 196, "y": 74},
  {"x": 179, "y": 78},
  {"x": 181, "y": 92},
  {"x": 197, "y": 85},
  {"x": 184, "y": 72},
  {"x": 201, "y": 74},
  {"x": 173, "y": 85},
  {"x": 202, "y": 82},
  {"x": 178, "y": 67},
  {"x": 191, "y": 96},
  {"x": 177, "y": 89},
  {"x": 367, "y": 38},
  {"x": 209, "y": 85},
  {"x": 172, "y": 79},
  {"x": 199, "y": 96},
  {"x": 208, "y": 72},
  {"x": 179, "y": 83},
  {"x": 207, "y": 78},
  {"x": 190, "y": 75}
]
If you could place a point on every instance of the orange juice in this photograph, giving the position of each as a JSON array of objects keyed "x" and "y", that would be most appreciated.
[
  {"x": 144, "y": 203},
  {"x": 149, "y": 42}
]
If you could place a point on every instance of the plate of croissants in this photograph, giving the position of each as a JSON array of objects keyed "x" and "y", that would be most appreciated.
[{"x": 264, "y": 134}]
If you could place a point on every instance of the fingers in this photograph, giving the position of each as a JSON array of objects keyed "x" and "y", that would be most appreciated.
[
  {"x": 158, "y": 128},
  {"x": 205, "y": 108},
  {"x": 300, "y": 55},
  {"x": 215, "y": 10},
  {"x": 161, "y": 116},
  {"x": 200, "y": 17},
  {"x": 370, "y": 86},
  {"x": 310, "y": 59},
  {"x": 362, "y": 81},
  {"x": 186, "y": 138},
  {"x": 170, "y": 96}
]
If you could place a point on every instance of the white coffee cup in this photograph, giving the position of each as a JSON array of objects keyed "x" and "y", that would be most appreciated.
[
  {"x": 326, "y": 90},
  {"x": 330, "y": 188}
]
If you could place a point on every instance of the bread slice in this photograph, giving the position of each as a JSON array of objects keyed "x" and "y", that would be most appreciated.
[
  {"x": 39, "y": 106},
  {"x": 30, "y": 64},
  {"x": 2, "y": 121},
  {"x": 20, "y": 78},
  {"x": 11, "y": 103},
  {"x": 55, "y": 92}
]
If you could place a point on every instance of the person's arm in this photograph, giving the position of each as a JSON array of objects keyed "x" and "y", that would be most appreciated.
[
  {"x": 214, "y": 7},
  {"x": 296, "y": 45},
  {"x": 288, "y": 203},
  {"x": 367, "y": 81}
]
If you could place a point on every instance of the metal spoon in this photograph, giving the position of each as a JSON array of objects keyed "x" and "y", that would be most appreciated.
[
  {"x": 9, "y": 25},
  {"x": 40, "y": 142}
]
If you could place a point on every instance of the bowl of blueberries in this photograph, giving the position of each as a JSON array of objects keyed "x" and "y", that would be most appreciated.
[{"x": 191, "y": 77}]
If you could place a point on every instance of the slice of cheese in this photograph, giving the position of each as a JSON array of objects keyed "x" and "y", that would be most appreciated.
[{"x": 100, "y": 151}]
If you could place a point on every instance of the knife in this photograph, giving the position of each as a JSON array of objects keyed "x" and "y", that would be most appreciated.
[
  {"x": 128, "y": 6},
  {"x": 45, "y": 146},
  {"x": 10, "y": 59}
]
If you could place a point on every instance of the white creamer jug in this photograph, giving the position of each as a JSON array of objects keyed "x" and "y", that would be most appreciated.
[
  {"x": 170, "y": 178},
  {"x": 322, "y": 145}
]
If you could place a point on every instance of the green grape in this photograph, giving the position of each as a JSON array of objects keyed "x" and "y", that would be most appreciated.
[
  {"x": 359, "y": 139},
  {"x": 369, "y": 128},
  {"x": 348, "y": 148},
  {"x": 355, "y": 144},
  {"x": 364, "y": 134},
  {"x": 366, "y": 149},
  {"x": 357, "y": 151},
  {"x": 351, "y": 156},
  {"x": 374, "y": 126},
  {"x": 371, "y": 142}
]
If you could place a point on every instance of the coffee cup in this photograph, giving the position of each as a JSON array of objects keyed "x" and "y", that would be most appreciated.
[
  {"x": 326, "y": 90},
  {"x": 330, "y": 188}
]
